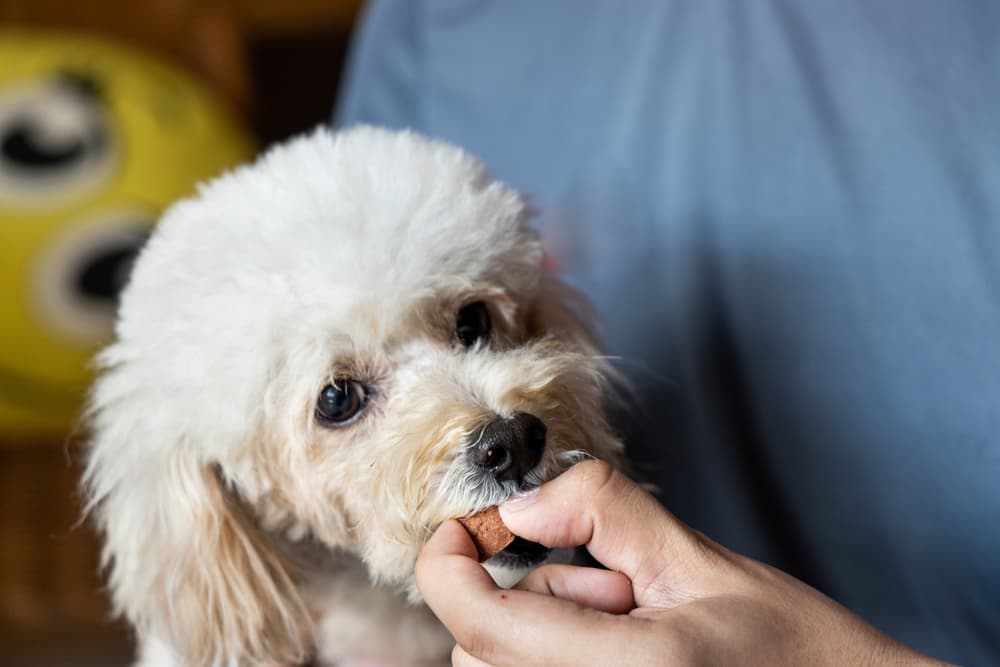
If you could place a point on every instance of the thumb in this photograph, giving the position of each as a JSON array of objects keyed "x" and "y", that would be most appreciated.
[{"x": 622, "y": 526}]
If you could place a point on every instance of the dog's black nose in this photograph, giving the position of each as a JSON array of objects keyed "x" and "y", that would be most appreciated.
[{"x": 509, "y": 448}]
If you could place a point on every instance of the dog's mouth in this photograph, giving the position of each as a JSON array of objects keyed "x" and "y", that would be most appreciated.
[{"x": 521, "y": 553}]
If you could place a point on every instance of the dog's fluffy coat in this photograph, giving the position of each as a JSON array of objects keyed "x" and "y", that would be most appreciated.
[{"x": 239, "y": 529}]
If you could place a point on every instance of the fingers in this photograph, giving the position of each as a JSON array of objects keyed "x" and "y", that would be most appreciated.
[
  {"x": 602, "y": 590},
  {"x": 459, "y": 658},
  {"x": 511, "y": 627},
  {"x": 451, "y": 552},
  {"x": 622, "y": 526}
]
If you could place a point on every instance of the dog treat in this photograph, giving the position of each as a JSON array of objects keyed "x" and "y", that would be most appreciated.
[{"x": 488, "y": 532}]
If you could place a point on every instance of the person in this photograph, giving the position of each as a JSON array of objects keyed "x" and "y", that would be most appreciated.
[
  {"x": 787, "y": 216},
  {"x": 670, "y": 596}
]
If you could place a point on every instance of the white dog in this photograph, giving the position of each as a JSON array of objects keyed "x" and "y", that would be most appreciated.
[{"x": 319, "y": 359}]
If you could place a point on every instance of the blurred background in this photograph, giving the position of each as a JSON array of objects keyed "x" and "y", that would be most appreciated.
[{"x": 109, "y": 111}]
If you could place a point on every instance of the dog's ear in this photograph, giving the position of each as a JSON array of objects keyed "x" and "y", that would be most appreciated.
[
  {"x": 562, "y": 312},
  {"x": 186, "y": 565}
]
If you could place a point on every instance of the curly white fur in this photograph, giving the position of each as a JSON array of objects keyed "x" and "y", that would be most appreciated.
[{"x": 238, "y": 529}]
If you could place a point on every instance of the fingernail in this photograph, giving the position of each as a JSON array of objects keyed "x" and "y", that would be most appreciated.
[{"x": 518, "y": 502}]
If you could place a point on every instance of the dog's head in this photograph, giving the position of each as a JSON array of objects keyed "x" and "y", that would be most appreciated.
[{"x": 348, "y": 342}]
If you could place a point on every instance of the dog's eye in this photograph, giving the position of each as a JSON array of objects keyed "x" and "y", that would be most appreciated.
[
  {"x": 473, "y": 324},
  {"x": 339, "y": 403}
]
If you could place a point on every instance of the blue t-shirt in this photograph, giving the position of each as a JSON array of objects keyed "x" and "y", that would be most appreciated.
[{"x": 788, "y": 216}]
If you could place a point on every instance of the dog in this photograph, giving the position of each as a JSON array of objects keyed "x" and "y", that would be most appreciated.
[{"x": 318, "y": 359}]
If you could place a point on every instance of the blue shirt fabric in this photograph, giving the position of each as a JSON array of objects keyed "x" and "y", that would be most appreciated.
[{"x": 788, "y": 216}]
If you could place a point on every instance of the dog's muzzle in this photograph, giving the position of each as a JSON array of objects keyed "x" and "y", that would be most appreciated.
[{"x": 508, "y": 448}]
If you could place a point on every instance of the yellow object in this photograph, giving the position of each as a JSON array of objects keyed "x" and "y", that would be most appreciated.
[{"x": 96, "y": 139}]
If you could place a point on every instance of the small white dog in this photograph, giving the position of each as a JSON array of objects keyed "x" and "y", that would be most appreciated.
[{"x": 319, "y": 359}]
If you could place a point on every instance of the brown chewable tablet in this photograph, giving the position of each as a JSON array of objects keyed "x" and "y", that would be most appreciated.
[{"x": 488, "y": 532}]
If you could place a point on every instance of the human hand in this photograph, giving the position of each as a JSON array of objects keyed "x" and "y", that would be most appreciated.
[{"x": 670, "y": 596}]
